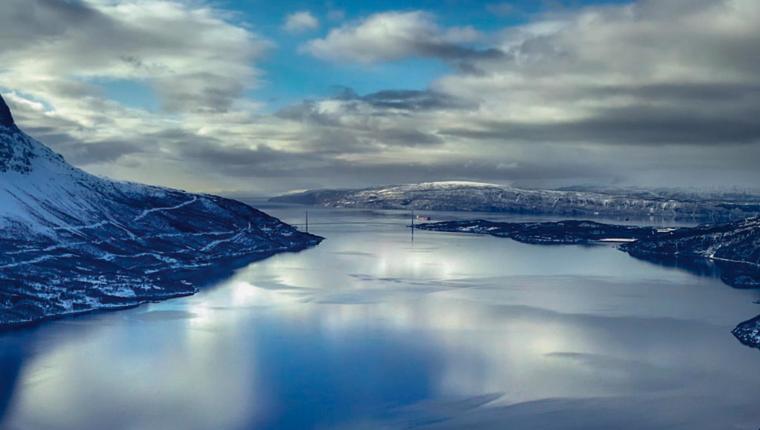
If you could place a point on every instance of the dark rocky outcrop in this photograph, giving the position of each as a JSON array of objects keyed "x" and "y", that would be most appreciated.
[{"x": 6, "y": 118}]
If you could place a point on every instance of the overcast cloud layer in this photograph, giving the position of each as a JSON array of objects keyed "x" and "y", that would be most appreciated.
[{"x": 662, "y": 92}]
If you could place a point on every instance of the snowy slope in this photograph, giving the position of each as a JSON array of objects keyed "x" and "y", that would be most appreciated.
[
  {"x": 73, "y": 242},
  {"x": 481, "y": 197}
]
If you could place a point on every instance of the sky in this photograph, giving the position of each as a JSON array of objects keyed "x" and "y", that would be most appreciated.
[{"x": 261, "y": 97}]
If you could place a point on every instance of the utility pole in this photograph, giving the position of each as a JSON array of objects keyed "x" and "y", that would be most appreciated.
[
  {"x": 412, "y": 225},
  {"x": 307, "y": 220}
]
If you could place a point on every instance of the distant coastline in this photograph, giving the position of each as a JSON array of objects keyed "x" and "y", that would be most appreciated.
[
  {"x": 732, "y": 248},
  {"x": 589, "y": 203}
]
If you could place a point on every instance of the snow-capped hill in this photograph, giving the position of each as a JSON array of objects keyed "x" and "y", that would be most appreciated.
[
  {"x": 483, "y": 197},
  {"x": 72, "y": 242},
  {"x": 452, "y": 185}
]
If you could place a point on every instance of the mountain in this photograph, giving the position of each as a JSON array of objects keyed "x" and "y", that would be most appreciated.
[
  {"x": 480, "y": 197},
  {"x": 72, "y": 242}
]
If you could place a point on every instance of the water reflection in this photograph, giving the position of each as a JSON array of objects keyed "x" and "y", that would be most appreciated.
[
  {"x": 11, "y": 360},
  {"x": 368, "y": 331}
]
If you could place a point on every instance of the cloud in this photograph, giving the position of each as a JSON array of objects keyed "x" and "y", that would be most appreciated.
[
  {"x": 643, "y": 93},
  {"x": 651, "y": 86},
  {"x": 193, "y": 57},
  {"x": 392, "y": 36},
  {"x": 299, "y": 22},
  {"x": 380, "y": 103},
  {"x": 687, "y": 76},
  {"x": 56, "y": 57}
]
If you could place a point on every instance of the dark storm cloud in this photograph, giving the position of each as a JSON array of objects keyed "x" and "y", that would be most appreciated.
[
  {"x": 336, "y": 132},
  {"x": 456, "y": 53},
  {"x": 631, "y": 126},
  {"x": 705, "y": 93},
  {"x": 83, "y": 154},
  {"x": 406, "y": 137},
  {"x": 26, "y": 22},
  {"x": 477, "y": 169},
  {"x": 95, "y": 153},
  {"x": 264, "y": 161},
  {"x": 308, "y": 111},
  {"x": 259, "y": 162},
  {"x": 383, "y": 102},
  {"x": 414, "y": 100},
  {"x": 357, "y": 123},
  {"x": 198, "y": 92}
]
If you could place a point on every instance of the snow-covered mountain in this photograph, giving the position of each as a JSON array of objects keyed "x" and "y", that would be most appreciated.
[
  {"x": 473, "y": 196},
  {"x": 73, "y": 242}
]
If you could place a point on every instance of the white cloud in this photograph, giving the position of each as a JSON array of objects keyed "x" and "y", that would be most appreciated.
[
  {"x": 650, "y": 91},
  {"x": 387, "y": 36},
  {"x": 194, "y": 58},
  {"x": 57, "y": 58},
  {"x": 583, "y": 89},
  {"x": 299, "y": 22}
]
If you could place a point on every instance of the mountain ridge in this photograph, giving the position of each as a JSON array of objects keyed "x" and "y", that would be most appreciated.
[
  {"x": 71, "y": 242},
  {"x": 6, "y": 117},
  {"x": 480, "y": 197}
]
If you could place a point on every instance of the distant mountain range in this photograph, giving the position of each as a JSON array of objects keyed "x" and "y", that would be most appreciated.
[
  {"x": 72, "y": 242},
  {"x": 481, "y": 197}
]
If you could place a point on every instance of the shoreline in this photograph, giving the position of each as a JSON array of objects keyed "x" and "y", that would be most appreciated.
[
  {"x": 211, "y": 276},
  {"x": 732, "y": 272}
]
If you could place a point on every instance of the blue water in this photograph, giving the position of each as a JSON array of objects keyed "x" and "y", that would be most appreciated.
[{"x": 370, "y": 330}]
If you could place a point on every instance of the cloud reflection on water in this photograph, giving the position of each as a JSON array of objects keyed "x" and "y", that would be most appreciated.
[{"x": 368, "y": 330}]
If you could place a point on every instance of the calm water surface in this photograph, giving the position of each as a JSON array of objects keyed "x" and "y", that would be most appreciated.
[{"x": 370, "y": 330}]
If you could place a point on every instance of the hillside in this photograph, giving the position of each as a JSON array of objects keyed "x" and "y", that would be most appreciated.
[
  {"x": 480, "y": 197},
  {"x": 72, "y": 242}
]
